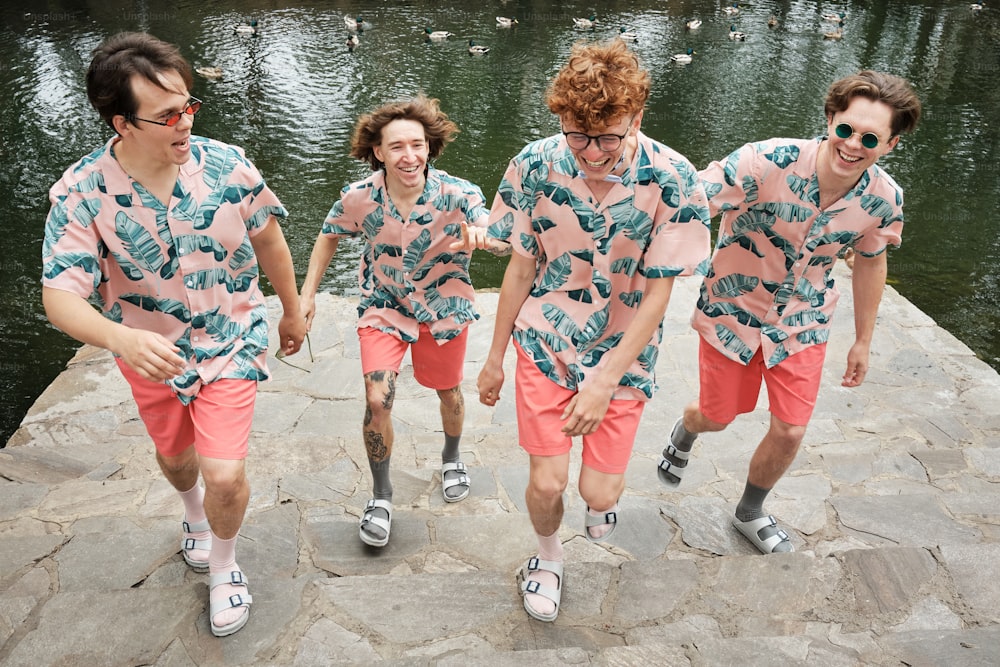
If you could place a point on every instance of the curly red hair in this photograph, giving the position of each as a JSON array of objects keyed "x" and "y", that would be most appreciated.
[{"x": 600, "y": 84}]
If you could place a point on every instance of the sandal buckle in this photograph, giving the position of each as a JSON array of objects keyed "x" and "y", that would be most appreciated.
[
  {"x": 189, "y": 544},
  {"x": 531, "y": 587},
  {"x": 533, "y": 564}
]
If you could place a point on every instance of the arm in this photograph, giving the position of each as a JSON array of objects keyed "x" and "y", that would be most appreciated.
[
  {"x": 868, "y": 283},
  {"x": 275, "y": 259},
  {"x": 587, "y": 408},
  {"x": 148, "y": 353},
  {"x": 323, "y": 251},
  {"x": 517, "y": 281}
]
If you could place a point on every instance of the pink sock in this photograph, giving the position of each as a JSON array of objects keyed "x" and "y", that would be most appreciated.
[
  {"x": 600, "y": 530},
  {"x": 194, "y": 511},
  {"x": 221, "y": 560},
  {"x": 549, "y": 548}
]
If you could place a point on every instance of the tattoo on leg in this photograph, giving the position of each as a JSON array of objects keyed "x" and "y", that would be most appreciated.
[
  {"x": 390, "y": 395},
  {"x": 459, "y": 401},
  {"x": 368, "y": 415},
  {"x": 375, "y": 446}
]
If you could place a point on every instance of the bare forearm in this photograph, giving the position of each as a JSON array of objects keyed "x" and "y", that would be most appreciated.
[
  {"x": 275, "y": 259},
  {"x": 517, "y": 281},
  {"x": 319, "y": 260},
  {"x": 868, "y": 277}
]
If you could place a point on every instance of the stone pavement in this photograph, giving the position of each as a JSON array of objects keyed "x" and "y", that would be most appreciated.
[{"x": 893, "y": 505}]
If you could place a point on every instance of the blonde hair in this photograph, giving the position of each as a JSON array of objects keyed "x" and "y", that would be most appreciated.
[{"x": 599, "y": 84}]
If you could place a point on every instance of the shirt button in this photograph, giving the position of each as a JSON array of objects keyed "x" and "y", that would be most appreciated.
[
  {"x": 180, "y": 251},
  {"x": 196, "y": 339},
  {"x": 798, "y": 263}
]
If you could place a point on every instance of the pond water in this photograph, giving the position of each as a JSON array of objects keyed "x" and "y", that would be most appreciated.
[{"x": 290, "y": 96}]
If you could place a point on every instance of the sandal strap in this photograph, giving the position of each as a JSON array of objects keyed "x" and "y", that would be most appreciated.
[
  {"x": 554, "y": 566},
  {"x": 589, "y": 520},
  {"x": 196, "y": 527},
  {"x": 462, "y": 480},
  {"x": 678, "y": 454},
  {"x": 369, "y": 517},
  {"x": 236, "y": 578},
  {"x": 191, "y": 544},
  {"x": 453, "y": 466}
]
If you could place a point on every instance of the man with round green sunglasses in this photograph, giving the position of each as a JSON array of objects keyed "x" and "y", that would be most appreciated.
[{"x": 789, "y": 207}]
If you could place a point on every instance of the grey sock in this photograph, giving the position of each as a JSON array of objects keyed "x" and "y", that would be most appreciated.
[
  {"x": 450, "y": 452},
  {"x": 681, "y": 438},
  {"x": 751, "y": 505}
]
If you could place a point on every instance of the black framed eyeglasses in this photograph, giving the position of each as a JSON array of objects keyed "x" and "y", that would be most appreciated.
[
  {"x": 846, "y": 131},
  {"x": 608, "y": 143},
  {"x": 191, "y": 108}
]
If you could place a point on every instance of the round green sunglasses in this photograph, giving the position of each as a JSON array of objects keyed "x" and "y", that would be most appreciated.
[{"x": 846, "y": 131}]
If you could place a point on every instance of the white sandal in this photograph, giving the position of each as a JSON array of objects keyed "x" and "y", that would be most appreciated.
[
  {"x": 234, "y": 577},
  {"x": 189, "y": 544},
  {"x": 461, "y": 480},
  {"x": 368, "y": 517},
  {"x": 554, "y": 594}
]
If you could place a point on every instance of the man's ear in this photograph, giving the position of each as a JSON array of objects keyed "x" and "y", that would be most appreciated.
[{"x": 121, "y": 125}]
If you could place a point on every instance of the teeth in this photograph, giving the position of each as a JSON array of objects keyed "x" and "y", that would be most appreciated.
[
  {"x": 409, "y": 170},
  {"x": 596, "y": 164},
  {"x": 847, "y": 158}
]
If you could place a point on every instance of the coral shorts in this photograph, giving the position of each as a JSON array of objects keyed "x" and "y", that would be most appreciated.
[
  {"x": 217, "y": 422},
  {"x": 729, "y": 388},
  {"x": 540, "y": 403},
  {"x": 434, "y": 366}
]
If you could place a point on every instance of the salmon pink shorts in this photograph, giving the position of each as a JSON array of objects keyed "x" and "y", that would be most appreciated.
[
  {"x": 728, "y": 388},
  {"x": 217, "y": 422},
  {"x": 434, "y": 366},
  {"x": 540, "y": 403}
]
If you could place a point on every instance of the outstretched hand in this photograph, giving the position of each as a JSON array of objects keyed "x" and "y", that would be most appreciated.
[{"x": 477, "y": 238}]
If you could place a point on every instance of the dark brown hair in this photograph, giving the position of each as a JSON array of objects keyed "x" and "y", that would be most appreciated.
[
  {"x": 599, "y": 84},
  {"x": 877, "y": 87},
  {"x": 118, "y": 59},
  {"x": 438, "y": 130}
]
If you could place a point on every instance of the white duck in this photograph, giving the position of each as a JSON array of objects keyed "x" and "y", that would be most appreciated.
[
  {"x": 628, "y": 35},
  {"x": 693, "y": 24},
  {"x": 736, "y": 35},
  {"x": 477, "y": 49},
  {"x": 505, "y": 22},
  {"x": 585, "y": 24}
]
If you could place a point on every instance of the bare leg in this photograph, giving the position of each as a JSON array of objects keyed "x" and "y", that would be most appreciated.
[
  {"x": 547, "y": 481},
  {"x": 601, "y": 492}
]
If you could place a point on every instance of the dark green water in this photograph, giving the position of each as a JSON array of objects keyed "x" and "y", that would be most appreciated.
[{"x": 290, "y": 97}]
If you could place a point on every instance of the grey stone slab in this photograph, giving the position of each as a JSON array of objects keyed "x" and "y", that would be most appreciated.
[
  {"x": 18, "y": 498},
  {"x": 530, "y": 635},
  {"x": 975, "y": 568},
  {"x": 653, "y": 590},
  {"x": 269, "y": 542},
  {"x": 129, "y": 627},
  {"x": 985, "y": 461},
  {"x": 888, "y": 580},
  {"x": 537, "y": 658},
  {"x": 375, "y": 602},
  {"x": 973, "y": 647},
  {"x": 688, "y": 629},
  {"x": 471, "y": 648},
  {"x": 930, "y": 614},
  {"x": 915, "y": 520},
  {"x": 327, "y": 643},
  {"x": 19, "y": 600},
  {"x": 39, "y": 465},
  {"x": 333, "y": 543},
  {"x": 76, "y": 500},
  {"x": 499, "y": 542},
  {"x": 671, "y": 654},
  {"x": 17, "y": 551},
  {"x": 641, "y": 529},
  {"x": 115, "y": 559},
  {"x": 750, "y": 583},
  {"x": 750, "y": 652},
  {"x": 705, "y": 524},
  {"x": 278, "y": 412}
]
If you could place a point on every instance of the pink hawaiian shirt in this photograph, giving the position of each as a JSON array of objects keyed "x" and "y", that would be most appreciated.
[
  {"x": 769, "y": 283},
  {"x": 408, "y": 274},
  {"x": 594, "y": 259},
  {"x": 186, "y": 270}
]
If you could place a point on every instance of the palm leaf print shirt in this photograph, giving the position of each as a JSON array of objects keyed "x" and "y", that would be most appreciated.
[
  {"x": 408, "y": 275},
  {"x": 593, "y": 259},
  {"x": 769, "y": 283},
  {"x": 186, "y": 270}
]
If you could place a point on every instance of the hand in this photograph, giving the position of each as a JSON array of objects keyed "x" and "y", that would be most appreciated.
[
  {"x": 585, "y": 411},
  {"x": 476, "y": 238},
  {"x": 489, "y": 383},
  {"x": 291, "y": 331},
  {"x": 857, "y": 365},
  {"x": 149, "y": 354}
]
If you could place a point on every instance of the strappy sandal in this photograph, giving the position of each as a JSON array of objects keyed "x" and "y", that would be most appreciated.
[
  {"x": 368, "y": 517},
  {"x": 591, "y": 521},
  {"x": 554, "y": 594},
  {"x": 462, "y": 479},
  {"x": 670, "y": 472},
  {"x": 234, "y": 577},
  {"x": 189, "y": 544},
  {"x": 752, "y": 529}
]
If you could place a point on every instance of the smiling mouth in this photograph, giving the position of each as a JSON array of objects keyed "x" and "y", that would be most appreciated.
[
  {"x": 410, "y": 170},
  {"x": 596, "y": 165},
  {"x": 847, "y": 158}
]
